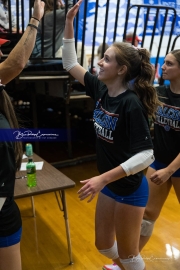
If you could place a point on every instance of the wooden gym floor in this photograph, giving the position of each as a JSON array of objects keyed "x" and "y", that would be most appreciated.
[{"x": 44, "y": 246}]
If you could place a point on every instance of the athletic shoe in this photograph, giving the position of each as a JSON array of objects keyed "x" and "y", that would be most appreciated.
[{"x": 111, "y": 267}]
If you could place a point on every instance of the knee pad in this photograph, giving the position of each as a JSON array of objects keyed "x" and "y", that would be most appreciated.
[
  {"x": 135, "y": 263},
  {"x": 111, "y": 253},
  {"x": 147, "y": 227}
]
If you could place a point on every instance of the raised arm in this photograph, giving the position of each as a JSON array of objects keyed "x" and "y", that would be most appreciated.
[
  {"x": 69, "y": 56},
  {"x": 18, "y": 57}
]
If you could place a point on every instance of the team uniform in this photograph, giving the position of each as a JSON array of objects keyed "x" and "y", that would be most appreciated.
[
  {"x": 122, "y": 130},
  {"x": 167, "y": 129},
  {"x": 10, "y": 218}
]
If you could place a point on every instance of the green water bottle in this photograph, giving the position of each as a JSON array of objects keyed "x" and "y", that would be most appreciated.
[{"x": 31, "y": 173}]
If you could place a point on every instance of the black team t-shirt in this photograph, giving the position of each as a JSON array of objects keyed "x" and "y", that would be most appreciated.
[
  {"x": 167, "y": 126},
  {"x": 122, "y": 130},
  {"x": 10, "y": 219}
]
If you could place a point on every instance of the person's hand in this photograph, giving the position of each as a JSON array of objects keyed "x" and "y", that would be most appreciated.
[
  {"x": 38, "y": 10},
  {"x": 73, "y": 11},
  {"x": 91, "y": 187},
  {"x": 160, "y": 176}
]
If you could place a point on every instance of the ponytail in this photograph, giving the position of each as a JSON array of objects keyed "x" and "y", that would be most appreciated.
[
  {"x": 143, "y": 84},
  {"x": 139, "y": 74}
]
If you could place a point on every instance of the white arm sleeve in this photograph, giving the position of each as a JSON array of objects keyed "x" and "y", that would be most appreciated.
[
  {"x": 69, "y": 56},
  {"x": 138, "y": 162}
]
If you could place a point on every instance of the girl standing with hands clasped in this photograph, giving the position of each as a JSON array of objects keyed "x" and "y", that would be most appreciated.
[
  {"x": 124, "y": 146},
  {"x": 164, "y": 172}
]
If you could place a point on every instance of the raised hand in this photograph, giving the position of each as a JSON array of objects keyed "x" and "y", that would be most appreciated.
[
  {"x": 73, "y": 11},
  {"x": 38, "y": 10}
]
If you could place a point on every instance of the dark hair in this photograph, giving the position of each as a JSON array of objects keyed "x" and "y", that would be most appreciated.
[
  {"x": 176, "y": 54},
  {"x": 6, "y": 108},
  {"x": 49, "y": 6},
  {"x": 140, "y": 70}
]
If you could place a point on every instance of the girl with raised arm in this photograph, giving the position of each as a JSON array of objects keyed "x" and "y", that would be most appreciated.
[{"x": 124, "y": 145}]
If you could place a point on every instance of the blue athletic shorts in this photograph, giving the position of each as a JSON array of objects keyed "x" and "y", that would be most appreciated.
[
  {"x": 11, "y": 240},
  {"x": 137, "y": 198},
  {"x": 158, "y": 166}
]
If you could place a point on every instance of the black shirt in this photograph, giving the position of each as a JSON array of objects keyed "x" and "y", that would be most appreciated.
[
  {"x": 10, "y": 219},
  {"x": 122, "y": 130},
  {"x": 167, "y": 126}
]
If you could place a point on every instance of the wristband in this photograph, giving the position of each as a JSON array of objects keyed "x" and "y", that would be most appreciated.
[
  {"x": 35, "y": 19},
  {"x": 32, "y": 25}
]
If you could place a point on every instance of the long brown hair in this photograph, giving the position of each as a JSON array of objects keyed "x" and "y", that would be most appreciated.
[
  {"x": 140, "y": 72},
  {"x": 49, "y": 5},
  {"x": 6, "y": 108}
]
